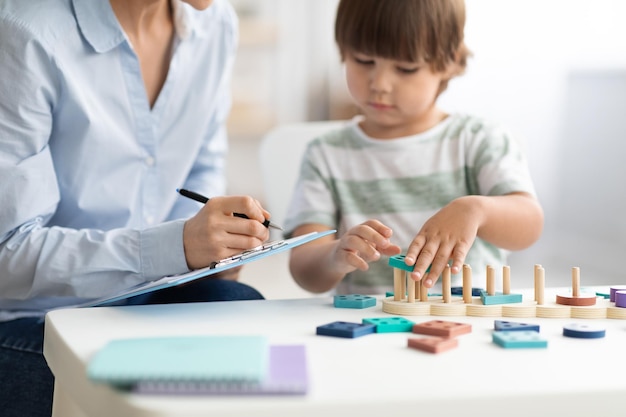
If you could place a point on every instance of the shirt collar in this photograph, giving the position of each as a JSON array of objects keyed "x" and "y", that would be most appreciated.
[
  {"x": 101, "y": 29},
  {"x": 98, "y": 24}
]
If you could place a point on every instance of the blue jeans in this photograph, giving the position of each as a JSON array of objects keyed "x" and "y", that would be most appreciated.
[{"x": 26, "y": 383}]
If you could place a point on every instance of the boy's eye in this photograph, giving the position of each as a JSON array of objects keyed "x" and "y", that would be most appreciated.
[
  {"x": 406, "y": 70},
  {"x": 363, "y": 61}
]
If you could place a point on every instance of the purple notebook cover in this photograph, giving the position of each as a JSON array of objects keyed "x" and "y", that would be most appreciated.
[{"x": 287, "y": 374}]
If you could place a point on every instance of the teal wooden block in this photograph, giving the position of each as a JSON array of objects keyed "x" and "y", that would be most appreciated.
[
  {"x": 527, "y": 339},
  {"x": 499, "y": 298},
  {"x": 397, "y": 261},
  {"x": 353, "y": 301},
  {"x": 390, "y": 324}
]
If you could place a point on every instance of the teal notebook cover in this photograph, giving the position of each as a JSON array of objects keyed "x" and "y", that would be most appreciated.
[{"x": 220, "y": 360}]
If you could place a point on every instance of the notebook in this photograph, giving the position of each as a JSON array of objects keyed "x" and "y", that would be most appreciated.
[
  {"x": 287, "y": 374},
  {"x": 212, "y": 361},
  {"x": 201, "y": 365},
  {"x": 267, "y": 249}
]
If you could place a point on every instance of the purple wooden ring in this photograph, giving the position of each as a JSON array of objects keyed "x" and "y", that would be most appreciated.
[
  {"x": 620, "y": 298},
  {"x": 614, "y": 289}
]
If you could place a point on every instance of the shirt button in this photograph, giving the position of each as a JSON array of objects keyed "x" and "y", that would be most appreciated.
[
  {"x": 149, "y": 219},
  {"x": 149, "y": 161}
]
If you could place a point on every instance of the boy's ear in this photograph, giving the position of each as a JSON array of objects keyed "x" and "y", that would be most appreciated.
[{"x": 452, "y": 70}]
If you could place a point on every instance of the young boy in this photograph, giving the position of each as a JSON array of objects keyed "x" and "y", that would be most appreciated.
[{"x": 405, "y": 176}]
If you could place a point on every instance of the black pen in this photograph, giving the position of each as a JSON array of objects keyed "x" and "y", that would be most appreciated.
[{"x": 202, "y": 199}]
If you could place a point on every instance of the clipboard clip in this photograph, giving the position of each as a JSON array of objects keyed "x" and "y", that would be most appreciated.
[{"x": 250, "y": 253}]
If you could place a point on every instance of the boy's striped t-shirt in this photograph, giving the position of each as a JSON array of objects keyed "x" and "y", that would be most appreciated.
[{"x": 347, "y": 178}]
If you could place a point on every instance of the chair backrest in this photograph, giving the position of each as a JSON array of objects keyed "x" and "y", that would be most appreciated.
[{"x": 280, "y": 155}]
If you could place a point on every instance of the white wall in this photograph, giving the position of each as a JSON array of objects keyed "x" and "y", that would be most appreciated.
[{"x": 531, "y": 59}]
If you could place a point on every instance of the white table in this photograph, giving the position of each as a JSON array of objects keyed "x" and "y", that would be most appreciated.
[{"x": 374, "y": 375}]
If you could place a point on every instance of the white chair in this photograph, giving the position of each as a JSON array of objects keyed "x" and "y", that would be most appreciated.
[{"x": 280, "y": 155}]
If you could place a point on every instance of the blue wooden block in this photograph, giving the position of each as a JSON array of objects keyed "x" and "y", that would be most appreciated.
[
  {"x": 353, "y": 301},
  {"x": 345, "y": 329},
  {"x": 519, "y": 339},
  {"x": 584, "y": 331},
  {"x": 459, "y": 291},
  {"x": 514, "y": 326},
  {"x": 390, "y": 324},
  {"x": 499, "y": 298}
]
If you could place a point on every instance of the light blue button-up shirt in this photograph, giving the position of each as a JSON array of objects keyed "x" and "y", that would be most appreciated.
[{"x": 88, "y": 171}]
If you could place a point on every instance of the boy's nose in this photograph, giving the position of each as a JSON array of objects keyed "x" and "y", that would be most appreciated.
[{"x": 380, "y": 81}]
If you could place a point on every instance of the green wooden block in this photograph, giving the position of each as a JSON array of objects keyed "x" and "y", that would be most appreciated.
[
  {"x": 390, "y": 324},
  {"x": 499, "y": 298},
  {"x": 353, "y": 301}
]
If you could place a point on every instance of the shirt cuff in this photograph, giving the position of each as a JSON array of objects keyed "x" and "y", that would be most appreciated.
[{"x": 162, "y": 250}]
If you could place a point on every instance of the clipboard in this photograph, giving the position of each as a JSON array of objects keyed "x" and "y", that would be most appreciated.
[{"x": 254, "y": 254}]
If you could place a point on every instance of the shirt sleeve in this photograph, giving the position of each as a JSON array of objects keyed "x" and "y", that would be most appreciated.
[
  {"x": 313, "y": 200},
  {"x": 498, "y": 162},
  {"x": 37, "y": 260}
]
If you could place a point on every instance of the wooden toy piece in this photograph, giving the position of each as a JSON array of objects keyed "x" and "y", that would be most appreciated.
[
  {"x": 410, "y": 289},
  {"x": 454, "y": 308},
  {"x": 614, "y": 289},
  {"x": 433, "y": 344},
  {"x": 446, "y": 284},
  {"x": 478, "y": 309},
  {"x": 511, "y": 326},
  {"x": 398, "y": 276},
  {"x": 442, "y": 328},
  {"x": 403, "y": 308},
  {"x": 603, "y": 294},
  {"x": 583, "y": 331},
  {"x": 475, "y": 291},
  {"x": 418, "y": 290},
  {"x": 519, "y": 339},
  {"x": 536, "y": 270},
  {"x": 423, "y": 291},
  {"x": 620, "y": 298},
  {"x": 345, "y": 329},
  {"x": 467, "y": 284},
  {"x": 499, "y": 298},
  {"x": 491, "y": 280},
  {"x": 490, "y": 296},
  {"x": 353, "y": 301},
  {"x": 595, "y": 311},
  {"x": 506, "y": 279},
  {"x": 576, "y": 282},
  {"x": 540, "y": 284},
  {"x": 525, "y": 309},
  {"x": 615, "y": 311},
  {"x": 390, "y": 324},
  {"x": 577, "y": 298},
  {"x": 397, "y": 261}
]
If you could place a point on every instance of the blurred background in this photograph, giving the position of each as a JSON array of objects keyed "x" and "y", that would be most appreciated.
[{"x": 553, "y": 72}]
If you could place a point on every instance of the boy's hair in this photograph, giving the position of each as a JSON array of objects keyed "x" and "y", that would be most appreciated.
[{"x": 429, "y": 31}]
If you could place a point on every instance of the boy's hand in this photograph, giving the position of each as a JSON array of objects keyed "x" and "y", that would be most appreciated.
[
  {"x": 361, "y": 245},
  {"x": 448, "y": 235}
]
